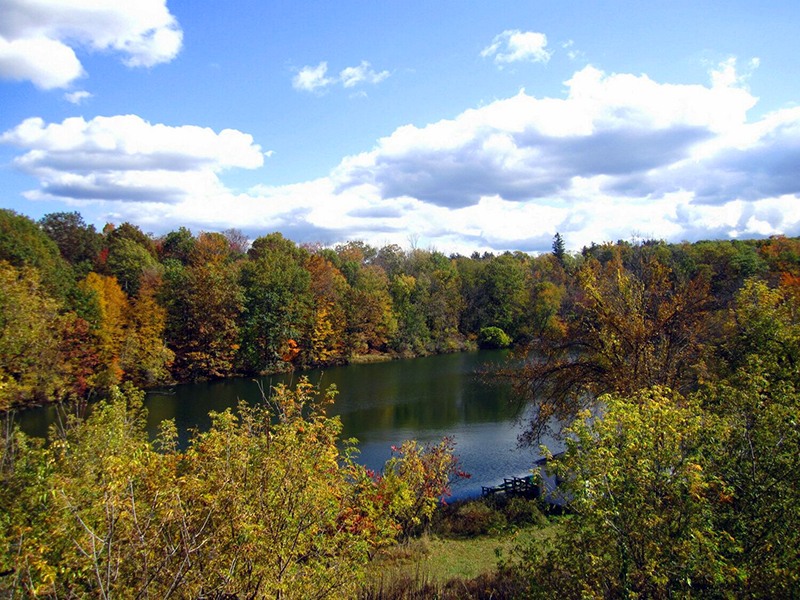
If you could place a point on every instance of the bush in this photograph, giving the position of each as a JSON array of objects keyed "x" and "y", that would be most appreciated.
[
  {"x": 493, "y": 337},
  {"x": 262, "y": 504},
  {"x": 477, "y": 518},
  {"x": 470, "y": 518},
  {"x": 523, "y": 511}
]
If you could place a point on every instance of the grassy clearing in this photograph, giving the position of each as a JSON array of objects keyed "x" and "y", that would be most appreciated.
[
  {"x": 466, "y": 542},
  {"x": 439, "y": 559}
]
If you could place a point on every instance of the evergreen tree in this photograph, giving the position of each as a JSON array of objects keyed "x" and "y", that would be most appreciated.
[{"x": 558, "y": 247}]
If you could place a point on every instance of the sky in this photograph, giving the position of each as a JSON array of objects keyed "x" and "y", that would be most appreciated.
[{"x": 462, "y": 126}]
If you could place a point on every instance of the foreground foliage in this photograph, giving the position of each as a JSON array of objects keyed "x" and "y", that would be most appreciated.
[
  {"x": 688, "y": 496},
  {"x": 263, "y": 504},
  {"x": 643, "y": 505}
]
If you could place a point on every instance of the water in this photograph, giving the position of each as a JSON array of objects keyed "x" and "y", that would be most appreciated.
[{"x": 380, "y": 404}]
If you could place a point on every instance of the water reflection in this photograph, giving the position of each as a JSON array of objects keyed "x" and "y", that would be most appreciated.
[{"x": 381, "y": 405}]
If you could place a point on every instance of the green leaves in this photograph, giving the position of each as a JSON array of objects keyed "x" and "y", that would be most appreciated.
[
  {"x": 689, "y": 496},
  {"x": 643, "y": 500},
  {"x": 414, "y": 481},
  {"x": 261, "y": 505}
]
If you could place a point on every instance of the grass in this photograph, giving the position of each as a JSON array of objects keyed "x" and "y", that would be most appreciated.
[
  {"x": 468, "y": 558},
  {"x": 459, "y": 556},
  {"x": 369, "y": 358},
  {"x": 439, "y": 559}
]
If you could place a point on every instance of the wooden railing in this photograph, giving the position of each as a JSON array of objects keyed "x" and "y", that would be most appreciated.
[{"x": 516, "y": 486}]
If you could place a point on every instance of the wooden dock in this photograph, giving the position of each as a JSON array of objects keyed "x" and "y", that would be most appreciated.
[
  {"x": 516, "y": 486},
  {"x": 525, "y": 486}
]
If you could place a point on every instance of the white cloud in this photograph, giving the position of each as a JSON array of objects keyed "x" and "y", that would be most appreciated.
[
  {"x": 77, "y": 97},
  {"x": 362, "y": 73},
  {"x": 38, "y": 37},
  {"x": 525, "y": 147},
  {"x": 572, "y": 52},
  {"x": 127, "y": 158},
  {"x": 619, "y": 154},
  {"x": 520, "y": 46},
  {"x": 314, "y": 79},
  {"x": 729, "y": 73},
  {"x": 45, "y": 62}
]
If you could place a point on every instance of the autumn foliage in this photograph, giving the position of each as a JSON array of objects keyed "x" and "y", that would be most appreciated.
[{"x": 262, "y": 505}]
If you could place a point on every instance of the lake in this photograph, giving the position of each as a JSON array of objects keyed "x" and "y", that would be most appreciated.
[{"x": 380, "y": 404}]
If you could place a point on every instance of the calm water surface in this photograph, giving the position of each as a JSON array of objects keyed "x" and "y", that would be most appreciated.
[{"x": 381, "y": 404}]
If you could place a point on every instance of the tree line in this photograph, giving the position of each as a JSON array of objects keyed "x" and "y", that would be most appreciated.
[{"x": 83, "y": 310}]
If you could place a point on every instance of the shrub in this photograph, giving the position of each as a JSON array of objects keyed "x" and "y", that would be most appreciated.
[{"x": 493, "y": 337}]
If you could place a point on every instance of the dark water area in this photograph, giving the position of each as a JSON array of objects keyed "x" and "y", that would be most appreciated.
[{"x": 380, "y": 404}]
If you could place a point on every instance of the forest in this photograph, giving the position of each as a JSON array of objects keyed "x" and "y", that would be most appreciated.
[
  {"x": 684, "y": 487},
  {"x": 95, "y": 309}
]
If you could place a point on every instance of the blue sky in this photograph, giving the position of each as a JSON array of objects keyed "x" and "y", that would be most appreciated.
[{"x": 472, "y": 125}]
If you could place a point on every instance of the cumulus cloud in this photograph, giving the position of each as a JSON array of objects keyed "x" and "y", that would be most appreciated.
[
  {"x": 526, "y": 147},
  {"x": 38, "y": 37},
  {"x": 618, "y": 154},
  {"x": 315, "y": 79},
  {"x": 78, "y": 97},
  {"x": 514, "y": 45},
  {"x": 127, "y": 158},
  {"x": 312, "y": 79},
  {"x": 363, "y": 73}
]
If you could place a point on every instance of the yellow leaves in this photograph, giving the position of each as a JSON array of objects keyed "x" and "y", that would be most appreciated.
[
  {"x": 30, "y": 324},
  {"x": 325, "y": 342},
  {"x": 114, "y": 306}
]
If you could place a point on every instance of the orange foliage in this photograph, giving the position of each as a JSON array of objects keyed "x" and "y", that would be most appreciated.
[{"x": 112, "y": 329}]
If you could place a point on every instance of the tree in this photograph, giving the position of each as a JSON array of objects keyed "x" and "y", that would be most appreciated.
[
  {"x": 371, "y": 321},
  {"x": 239, "y": 242},
  {"x": 24, "y": 244},
  {"x": 756, "y": 393},
  {"x": 408, "y": 301},
  {"x": 544, "y": 316},
  {"x": 147, "y": 358},
  {"x": 391, "y": 258},
  {"x": 130, "y": 232},
  {"x": 112, "y": 329},
  {"x": 79, "y": 354},
  {"x": 203, "y": 303},
  {"x": 177, "y": 245},
  {"x": 559, "y": 251},
  {"x": 30, "y": 325},
  {"x": 504, "y": 293},
  {"x": 277, "y": 307},
  {"x": 329, "y": 290},
  {"x": 78, "y": 242},
  {"x": 643, "y": 505},
  {"x": 625, "y": 333},
  {"x": 444, "y": 305},
  {"x": 127, "y": 261},
  {"x": 275, "y": 243}
]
